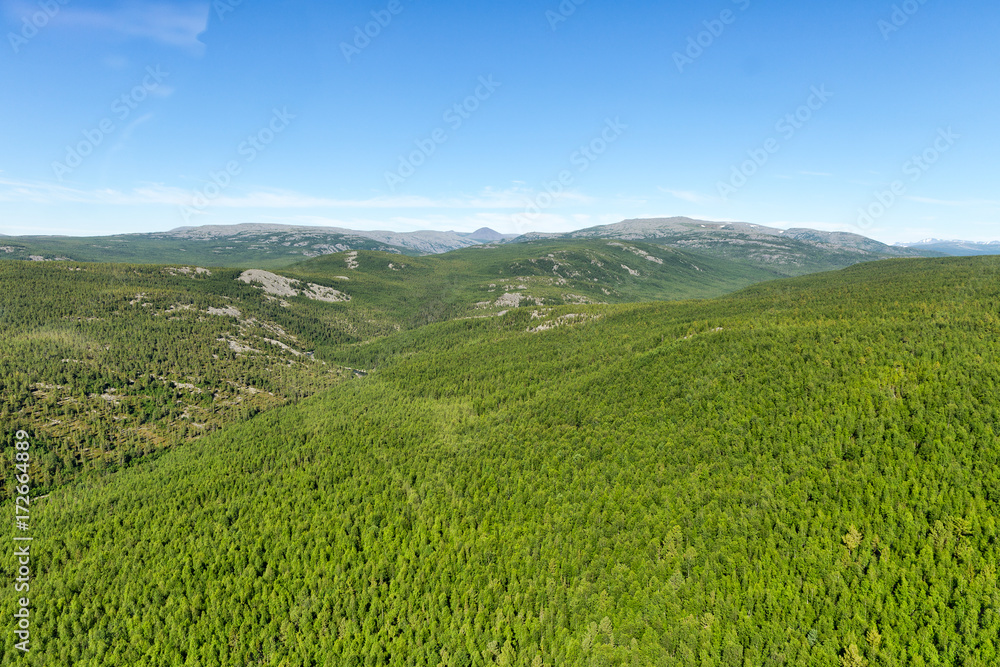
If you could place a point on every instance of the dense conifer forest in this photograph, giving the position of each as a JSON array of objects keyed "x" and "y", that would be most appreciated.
[
  {"x": 107, "y": 363},
  {"x": 800, "y": 473}
]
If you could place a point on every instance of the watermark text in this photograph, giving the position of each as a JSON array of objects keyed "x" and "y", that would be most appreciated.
[
  {"x": 787, "y": 127},
  {"x": 455, "y": 116},
  {"x": 22, "y": 540},
  {"x": 913, "y": 169}
]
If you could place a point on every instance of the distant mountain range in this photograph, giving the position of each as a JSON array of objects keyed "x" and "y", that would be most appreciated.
[
  {"x": 318, "y": 240},
  {"x": 955, "y": 247},
  {"x": 249, "y": 245},
  {"x": 786, "y": 252},
  {"x": 781, "y": 252},
  {"x": 674, "y": 230}
]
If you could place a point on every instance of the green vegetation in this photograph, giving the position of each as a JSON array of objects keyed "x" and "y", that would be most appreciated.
[
  {"x": 784, "y": 255},
  {"x": 104, "y": 363},
  {"x": 413, "y": 291},
  {"x": 753, "y": 248},
  {"x": 267, "y": 250},
  {"x": 802, "y": 473},
  {"x": 790, "y": 252}
]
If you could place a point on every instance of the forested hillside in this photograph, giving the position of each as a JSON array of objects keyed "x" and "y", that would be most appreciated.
[
  {"x": 753, "y": 248},
  {"x": 105, "y": 363},
  {"x": 802, "y": 473},
  {"x": 784, "y": 252},
  {"x": 485, "y": 281},
  {"x": 261, "y": 246}
]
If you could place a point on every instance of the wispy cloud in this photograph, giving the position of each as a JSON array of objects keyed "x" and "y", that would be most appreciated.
[
  {"x": 174, "y": 24},
  {"x": 157, "y": 194},
  {"x": 38, "y": 193},
  {"x": 956, "y": 202},
  {"x": 161, "y": 205}
]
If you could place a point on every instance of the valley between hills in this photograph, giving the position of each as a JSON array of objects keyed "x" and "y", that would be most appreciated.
[{"x": 664, "y": 442}]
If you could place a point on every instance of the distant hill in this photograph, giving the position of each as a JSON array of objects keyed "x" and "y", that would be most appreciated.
[
  {"x": 487, "y": 235},
  {"x": 265, "y": 246},
  {"x": 790, "y": 252},
  {"x": 261, "y": 245},
  {"x": 955, "y": 248},
  {"x": 424, "y": 242},
  {"x": 485, "y": 281}
]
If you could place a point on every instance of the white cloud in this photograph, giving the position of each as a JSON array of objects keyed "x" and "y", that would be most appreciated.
[
  {"x": 955, "y": 202},
  {"x": 171, "y": 24},
  {"x": 161, "y": 206},
  {"x": 38, "y": 193},
  {"x": 42, "y": 192}
]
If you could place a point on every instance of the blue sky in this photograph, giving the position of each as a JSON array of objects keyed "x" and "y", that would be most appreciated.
[{"x": 865, "y": 116}]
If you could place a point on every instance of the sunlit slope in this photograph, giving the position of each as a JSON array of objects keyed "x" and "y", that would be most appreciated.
[
  {"x": 491, "y": 279},
  {"x": 258, "y": 246},
  {"x": 803, "y": 473},
  {"x": 105, "y": 363},
  {"x": 785, "y": 252}
]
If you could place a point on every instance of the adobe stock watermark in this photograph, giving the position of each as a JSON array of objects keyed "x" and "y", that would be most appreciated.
[
  {"x": 363, "y": 35},
  {"x": 914, "y": 169},
  {"x": 223, "y": 7},
  {"x": 565, "y": 10},
  {"x": 901, "y": 15},
  {"x": 787, "y": 127},
  {"x": 582, "y": 159},
  {"x": 22, "y": 542},
  {"x": 701, "y": 42},
  {"x": 31, "y": 25},
  {"x": 248, "y": 151},
  {"x": 455, "y": 116},
  {"x": 121, "y": 108}
]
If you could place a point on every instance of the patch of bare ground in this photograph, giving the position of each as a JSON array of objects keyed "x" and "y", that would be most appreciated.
[{"x": 279, "y": 286}]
